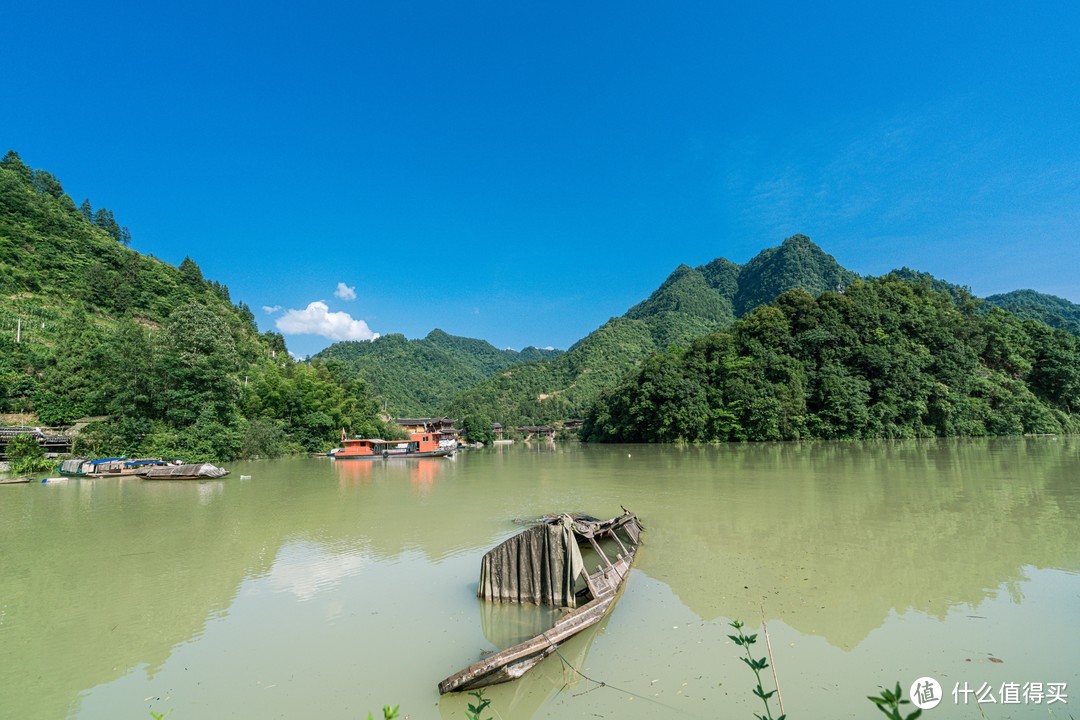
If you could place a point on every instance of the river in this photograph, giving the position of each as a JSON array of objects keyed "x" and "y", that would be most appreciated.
[{"x": 315, "y": 589}]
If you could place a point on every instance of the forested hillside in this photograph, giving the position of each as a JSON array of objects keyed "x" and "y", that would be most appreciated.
[
  {"x": 692, "y": 302},
  {"x": 421, "y": 377},
  {"x": 89, "y": 327},
  {"x": 1048, "y": 309},
  {"x": 887, "y": 358}
]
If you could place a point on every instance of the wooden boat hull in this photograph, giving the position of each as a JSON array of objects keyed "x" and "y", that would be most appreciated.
[
  {"x": 183, "y": 477},
  {"x": 14, "y": 481},
  {"x": 193, "y": 471},
  {"x": 113, "y": 467},
  {"x": 605, "y": 585}
]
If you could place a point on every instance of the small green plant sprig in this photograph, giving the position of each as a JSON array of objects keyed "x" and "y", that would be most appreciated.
[
  {"x": 473, "y": 713},
  {"x": 889, "y": 703},
  {"x": 388, "y": 712},
  {"x": 745, "y": 641}
]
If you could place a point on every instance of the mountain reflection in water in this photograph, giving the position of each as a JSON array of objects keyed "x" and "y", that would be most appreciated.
[{"x": 336, "y": 588}]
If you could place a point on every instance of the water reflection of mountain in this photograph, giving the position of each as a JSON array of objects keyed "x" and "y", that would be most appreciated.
[
  {"x": 835, "y": 536},
  {"x": 105, "y": 565},
  {"x": 132, "y": 569}
]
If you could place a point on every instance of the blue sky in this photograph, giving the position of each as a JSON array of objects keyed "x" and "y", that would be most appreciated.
[{"x": 522, "y": 172}]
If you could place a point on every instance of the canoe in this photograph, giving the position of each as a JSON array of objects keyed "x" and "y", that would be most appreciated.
[{"x": 544, "y": 564}]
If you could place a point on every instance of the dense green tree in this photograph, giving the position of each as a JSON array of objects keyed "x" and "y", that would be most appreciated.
[
  {"x": 477, "y": 428},
  {"x": 12, "y": 162},
  {"x": 887, "y": 358},
  {"x": 199, "y": 367},
  {"x": 71, "y": 383},
  {"x": 26, "y": 454},
  {"x": 47, "y": 183},
  {"x": 190, "y": 272}
]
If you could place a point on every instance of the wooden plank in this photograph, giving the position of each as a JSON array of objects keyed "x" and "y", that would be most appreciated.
[{"x": 487, "y": 671}]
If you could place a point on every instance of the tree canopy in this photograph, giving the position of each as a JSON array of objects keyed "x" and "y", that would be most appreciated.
[{"x": 887, "y": 358}]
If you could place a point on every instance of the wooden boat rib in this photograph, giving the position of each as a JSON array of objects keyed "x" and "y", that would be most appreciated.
[{"x": 601, "y": 587}]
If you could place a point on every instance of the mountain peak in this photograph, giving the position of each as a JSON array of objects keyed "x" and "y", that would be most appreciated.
[{"x": 797, "y": 263}]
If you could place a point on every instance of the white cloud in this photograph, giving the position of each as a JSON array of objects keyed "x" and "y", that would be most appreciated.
[
  {"x": 270, "y": 309},
  {"x": 345, "y": 292},
  {"x": 304, "y": 569},
  {"x": 316, "y": 319}
]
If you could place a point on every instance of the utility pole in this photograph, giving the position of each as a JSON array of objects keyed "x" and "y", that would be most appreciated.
[{"x": 18, "y": 331}]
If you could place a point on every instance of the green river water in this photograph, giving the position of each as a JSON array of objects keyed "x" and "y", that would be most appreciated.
[{"x": 315, "y": 589}]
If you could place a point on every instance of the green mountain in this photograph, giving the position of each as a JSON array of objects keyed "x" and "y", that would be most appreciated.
[
  {"x": 797, "y": 263},
  {"x": 690, "y": 303},
  {"x": 1049, "y": 309},
  {"x": 887, "y": 358},
  {"x": 1028, "y": 304},
  {"x": 420, "y": 377},
  {"x": 89, "y": 327}
]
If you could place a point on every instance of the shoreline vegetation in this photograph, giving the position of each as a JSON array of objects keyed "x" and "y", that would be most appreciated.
[{"x": 789, "y": 346}]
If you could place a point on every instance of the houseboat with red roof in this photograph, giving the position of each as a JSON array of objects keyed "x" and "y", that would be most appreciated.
[{"x": 419, "y": 445}]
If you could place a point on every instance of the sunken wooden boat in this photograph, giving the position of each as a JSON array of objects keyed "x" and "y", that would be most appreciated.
[
  {"x": 14, "y": 481},
  {"x": 545, "y": 564},
  {"x": 190, "y": 471}
]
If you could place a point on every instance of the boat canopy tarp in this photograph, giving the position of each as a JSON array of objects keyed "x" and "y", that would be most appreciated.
[
  {"x": 538, "y": 565},
  {"x": 72, "y": 465},
  {"x": 205, "y": 470}
]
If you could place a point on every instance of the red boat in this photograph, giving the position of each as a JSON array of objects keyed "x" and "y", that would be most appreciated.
[{"x": 419, "y": 445}]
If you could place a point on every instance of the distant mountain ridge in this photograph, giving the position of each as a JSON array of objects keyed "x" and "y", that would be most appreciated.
[
  {"x": 1026, "y": 304},
  {"x": 420, "y": 377},
  {"x": 690, "y": 303},
  {"x": 1048, "y": 309},
  {"x": 693, "y": 302}
]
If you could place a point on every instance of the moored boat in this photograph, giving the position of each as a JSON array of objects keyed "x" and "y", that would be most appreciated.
[
  {"x": 107, "y": 467},
  {"x": 187, "y": 471},
  {"x": 419, "y": 445},
  {"x": 545, "y": 565}
]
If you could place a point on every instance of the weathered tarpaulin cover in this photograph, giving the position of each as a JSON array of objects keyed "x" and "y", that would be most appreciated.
[
  {"x": 538, "y": 565},
  {"x": 72, "y": 465},
  {"x": 204, "y": 470}
]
